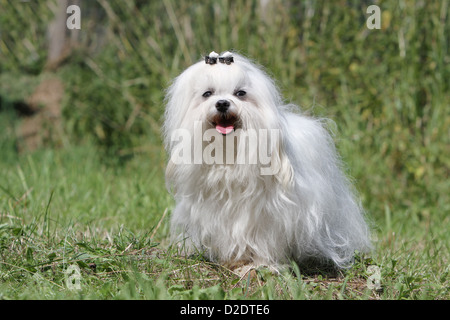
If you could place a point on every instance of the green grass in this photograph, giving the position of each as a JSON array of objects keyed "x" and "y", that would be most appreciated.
[
  {"x": 99, "y": 201},
  {"x": 64, "y": 207}
]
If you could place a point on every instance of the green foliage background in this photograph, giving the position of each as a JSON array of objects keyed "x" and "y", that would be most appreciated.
[{"x": 386, "y": 90}]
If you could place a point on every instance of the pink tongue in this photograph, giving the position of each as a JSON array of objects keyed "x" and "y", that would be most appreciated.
[{"x": 224, "y": 130}]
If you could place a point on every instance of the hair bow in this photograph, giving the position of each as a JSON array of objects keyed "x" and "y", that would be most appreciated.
[{"x": 226, "y": 58}]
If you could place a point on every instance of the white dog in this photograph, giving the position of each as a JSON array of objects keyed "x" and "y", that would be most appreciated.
[{"x": 255, "y": 182}]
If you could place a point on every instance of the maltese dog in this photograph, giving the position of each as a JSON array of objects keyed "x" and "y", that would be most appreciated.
[{"x": 255, "y": 181}]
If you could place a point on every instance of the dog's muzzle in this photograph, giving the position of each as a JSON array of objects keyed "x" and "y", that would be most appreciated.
[{"x": 224, "y": 121}]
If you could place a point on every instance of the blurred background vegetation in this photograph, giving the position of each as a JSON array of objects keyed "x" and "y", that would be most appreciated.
[{"x": 387, "y": 90}]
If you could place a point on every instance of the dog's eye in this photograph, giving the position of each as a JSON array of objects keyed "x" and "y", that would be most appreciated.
[
  {"x": 207, "y": 94},
  {"x": 240, "y": 93}
]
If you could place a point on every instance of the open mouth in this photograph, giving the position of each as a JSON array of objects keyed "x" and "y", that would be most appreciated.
[
  {"x": 224, "y": 129},
  {"x": 225, "y": 124}
]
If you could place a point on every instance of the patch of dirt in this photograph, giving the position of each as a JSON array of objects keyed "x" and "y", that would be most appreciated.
[{"x": 42, "y": 126}]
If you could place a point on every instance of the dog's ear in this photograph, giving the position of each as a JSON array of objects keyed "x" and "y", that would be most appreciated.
[
  {"x": 178, "y": 97},
  {"x": 279, "y": 167},
  {"x": 170, "y": 171},
  {"x": 285, "y": 175}
]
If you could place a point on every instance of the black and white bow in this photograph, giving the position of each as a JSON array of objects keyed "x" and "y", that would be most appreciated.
[{"x": 226, "y": 58}]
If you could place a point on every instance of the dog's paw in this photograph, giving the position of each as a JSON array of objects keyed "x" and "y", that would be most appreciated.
[
  {"x": 247, "y": 270},
  {"x": 241, "y": 267},
  {"x": 251, "y": 269}
]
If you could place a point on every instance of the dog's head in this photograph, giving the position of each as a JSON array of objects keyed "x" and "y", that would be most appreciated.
[
  {"x": 225, "y": 95},
  {"x": 226, "y": 92}
]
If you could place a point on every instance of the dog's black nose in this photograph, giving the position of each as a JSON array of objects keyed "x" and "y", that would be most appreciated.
[{"x": 222, "y": 105}]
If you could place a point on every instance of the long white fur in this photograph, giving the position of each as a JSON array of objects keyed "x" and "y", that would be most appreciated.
[{"x": 307, "y": 210}]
